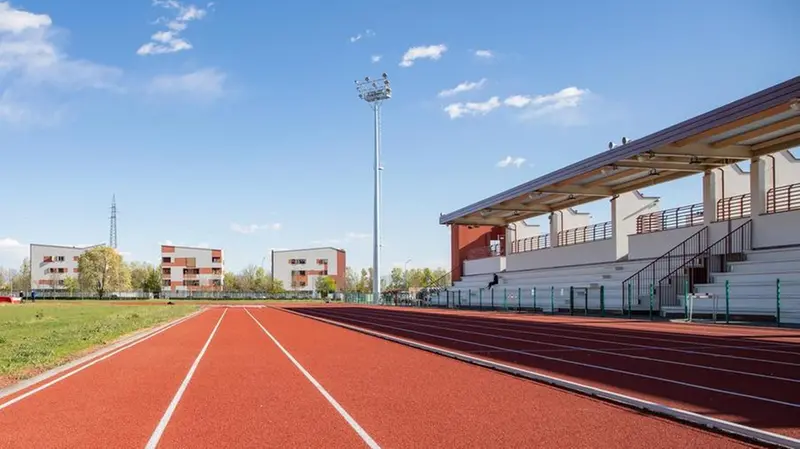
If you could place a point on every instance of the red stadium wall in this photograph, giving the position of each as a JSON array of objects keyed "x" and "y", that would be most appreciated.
[{"x": 467, "y": 242}]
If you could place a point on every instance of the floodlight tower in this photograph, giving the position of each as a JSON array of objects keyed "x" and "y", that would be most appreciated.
[{"x": 374, "y": 92}]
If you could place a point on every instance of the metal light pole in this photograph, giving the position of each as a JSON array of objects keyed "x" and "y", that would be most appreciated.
[
  {"x": 374, "y": 92},
  {"x": 405, "y": 273}
]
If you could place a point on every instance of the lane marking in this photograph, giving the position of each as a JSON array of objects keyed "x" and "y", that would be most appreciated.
[
  {"x": 412, "y": 322},
  {"x": 162, "y": 424},
  {"x": 722, "y": 426},
  {"x": 587, "y": 365},
  {"x": 691, "y": 350},
  {"x": 128, "y": 345},
  {"x": 350, "y": 420},
  {"x": 610, "y": 323}
]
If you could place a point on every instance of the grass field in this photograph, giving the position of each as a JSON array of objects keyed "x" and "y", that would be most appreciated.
[{"x": 37, "y": 336}]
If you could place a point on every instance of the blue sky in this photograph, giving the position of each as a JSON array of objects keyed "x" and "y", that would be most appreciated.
[{"x": 236, "y": 124}]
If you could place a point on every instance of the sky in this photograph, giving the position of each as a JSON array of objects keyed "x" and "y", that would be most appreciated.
[{"x": 236, "y": 125}]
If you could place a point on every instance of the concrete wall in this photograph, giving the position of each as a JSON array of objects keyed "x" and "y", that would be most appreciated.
[
  {"x": 51, "y": 265},
  {"x": 309, "y": 264},
  {"x": 488, "y": 265},
  {"x": 583, "y": 253},
  {"x": 777, "y": 229},
  {"x": 208, "y": 262}
]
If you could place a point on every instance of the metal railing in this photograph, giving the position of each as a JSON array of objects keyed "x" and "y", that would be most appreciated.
[
  {"x": 676, "y": 218},
  {"x": 700, "y": 268},
  {"x": 530, "y": 243},
  {"x": 585, "y": 234},
  {"x": 733, "y": 207},
  {"x": 783, "y": 199},
  {"x": 639, "y": 285}
]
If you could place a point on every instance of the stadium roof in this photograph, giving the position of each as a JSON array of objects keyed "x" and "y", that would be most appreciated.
[{"x": 763, "y": 123}]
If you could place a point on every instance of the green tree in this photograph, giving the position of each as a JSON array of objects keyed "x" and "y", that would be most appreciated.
[
  {"x": 397, "y": 279},
  {"x": 325, "y": 285},
  {"x": 22, "y": 278},
  {"x": 139, "y": 271},
  {"x": 101, "y": 270},
  {"x": 152, "y": 283},
  {"x": 230, "y": 282},
  {"x": 72, "y": 285}
]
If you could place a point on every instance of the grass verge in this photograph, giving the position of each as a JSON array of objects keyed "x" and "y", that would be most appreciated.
[{"x": 40, "y": 336}]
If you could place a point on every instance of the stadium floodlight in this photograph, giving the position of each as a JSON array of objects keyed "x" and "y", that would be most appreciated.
[{"x": 375, "y": 92}]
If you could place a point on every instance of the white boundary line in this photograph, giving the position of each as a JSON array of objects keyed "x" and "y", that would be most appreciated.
[
  {"x": 572, "y": 362},
  {"x": 630, "y": 346},
  {"x": 97, "y": 356},
  {"x": 727, "y": 427},
  {"x": 162, "y": 424},
  {"x": 350, "y": 420},
  {"x": 507, "y": 322},
  {"x": 442, "y": 326}
]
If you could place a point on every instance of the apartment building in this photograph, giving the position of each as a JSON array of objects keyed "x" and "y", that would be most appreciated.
[
  {"x": 298, "y": 269},
  {"x": 186, "y": 268},
  {"x": 51, "y": 265}
]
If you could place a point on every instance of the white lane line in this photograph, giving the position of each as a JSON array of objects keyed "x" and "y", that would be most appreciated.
[
  {"x": 418, "y": 322},
  {"x": 515, "y": 320},
  {"x": 571, "y": 362},
  {"x": 727, "y": 427},
  {"x": 350, "y": 420},
  {"x": 531, "y": 330},
  {"x": 162, "y": 425},
  {"x": 95, "y": 361}
]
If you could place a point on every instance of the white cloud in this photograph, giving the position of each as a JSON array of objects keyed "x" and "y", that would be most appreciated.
[
  {"x": 432, "y": 52},
  {"x": 253, "y": 228},
  {"x": 517, "y": 101},
  {"x": 358, "y": 236},
  {"x": 9, "y": 244},
  {"x": 488, "y": 54},
  {"x": 509, "y": 161},
  {"x": 203, "y": 84},
  {"x": 457, "y": 110},
  {"x": 376, "y": 58},
  {"x": 170, "y": 40},
  {"x": 359, "y": 36},
  {"x": 567, "y": 98},
  {"x": 466, "y": 86},
  {"x": 32, "y": 67}
]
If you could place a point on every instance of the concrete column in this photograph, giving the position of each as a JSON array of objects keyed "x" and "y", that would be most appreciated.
[
  {"x": 618, "y": 231},
  {"x": 709, "y": 198},
  {"x": 555, "y": 227},
  {"x": 757, "y": 187}
]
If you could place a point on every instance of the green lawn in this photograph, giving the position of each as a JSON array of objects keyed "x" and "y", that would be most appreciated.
[{"x": 36, "y": 337}]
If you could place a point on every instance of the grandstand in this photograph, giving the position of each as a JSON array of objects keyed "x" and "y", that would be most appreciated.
[{"x": 739, "y": 246}]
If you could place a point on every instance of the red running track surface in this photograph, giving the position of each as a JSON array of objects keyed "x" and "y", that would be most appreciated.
[
  {"x": 267, "y": 378},
  {"x": 750, "y": 376}
]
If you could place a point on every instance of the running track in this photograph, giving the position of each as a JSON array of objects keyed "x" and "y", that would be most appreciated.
[{"x": 258, "y": 377}]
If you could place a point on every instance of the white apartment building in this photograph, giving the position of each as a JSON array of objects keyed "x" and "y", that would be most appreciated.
[
  {"x": 186, "y": 268},
  {"x": 298, "y": 269},
  {"x": 51, "y": 265}
]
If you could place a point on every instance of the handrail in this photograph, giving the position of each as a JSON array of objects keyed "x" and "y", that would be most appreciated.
[
  {"x": 713, "y": 259},
  {"x": 733, "y": 207},
  {"x": 585, "y": 234},
  {"x": 534, "y": 243},
  {"x": 641, "y": 281},
  {"x": 676, "y": 218},
  {"x": 783, "y": 198}
]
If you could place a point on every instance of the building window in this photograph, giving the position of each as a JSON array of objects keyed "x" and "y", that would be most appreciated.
[
  {"x": 191, "y": 283},
  {"x": 166, "y": 259},
  {"x": 165, "y": 283},
  {"x": 322, "y": 261},
  {"x": 324, "y": 272},
  {"x": 59, "y": 258},
  {"x": 216, "y": 260},
  {"x": 166, "y": 271},
  {"x": 301, "y": 272},
  {"x": 216, "y": 271}
]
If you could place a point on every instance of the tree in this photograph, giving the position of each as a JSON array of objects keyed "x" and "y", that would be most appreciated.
[
  {"x": 325, "y": 285},
  {"x": 398, "y": 279},
  {"x": 139, "y": 271},
  {"x": 71, "y": 284},
  {"x": 101, "y": 270},
  {"x": 21, "y": 281},
  {"x": 152, "y": 282}
]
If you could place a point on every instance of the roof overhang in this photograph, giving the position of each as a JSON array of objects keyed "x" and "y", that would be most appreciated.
[{"x": 762, "y": 123}]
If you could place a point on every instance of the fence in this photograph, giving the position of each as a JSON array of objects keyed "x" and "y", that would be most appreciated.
[
  {"x": 534, "y": 243},
  {"x": 585, "y": 234},
  {"x": 733, "y": 207},
  {"x": 783, "y": 199},
  {"x": 172, "y": 295},
  {"x": 774, "y": 301},
  {"x": 679, "y": 217}
]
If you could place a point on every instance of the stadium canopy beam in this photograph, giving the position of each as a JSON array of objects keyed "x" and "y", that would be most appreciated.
[{"x": 760, "y": 124}]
